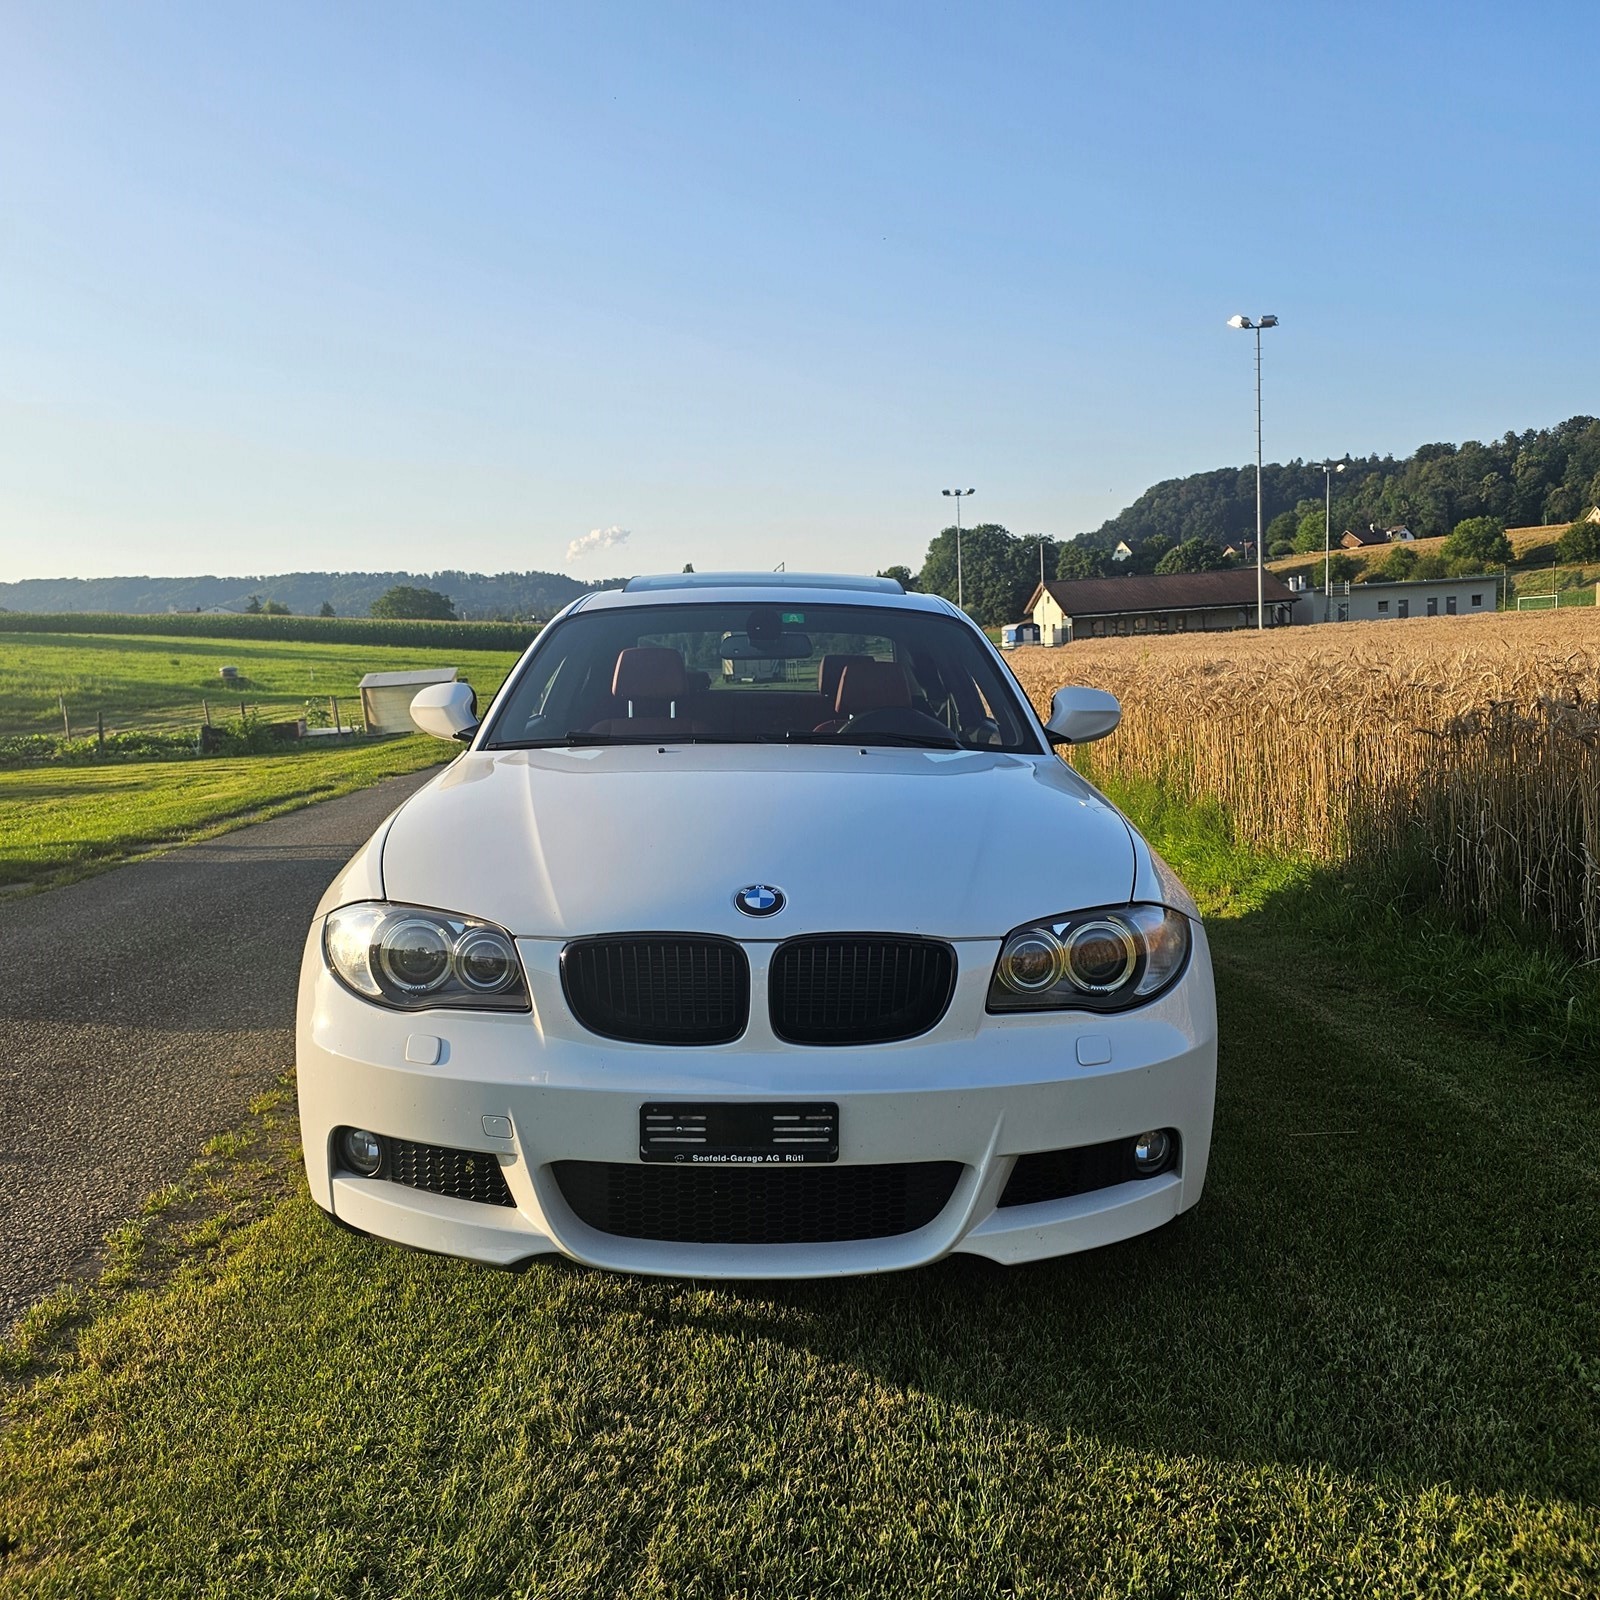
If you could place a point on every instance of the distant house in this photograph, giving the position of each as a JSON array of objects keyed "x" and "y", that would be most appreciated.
[
  {"x": 1122, "y": 552},
  {"x": 1182, "y": 602},
  {"x": 1591, "y": 515},
  {"x": 386, "y": 696},
  {"x": 1360, "y": 539},
  {"x": 1400, "y": 535}
]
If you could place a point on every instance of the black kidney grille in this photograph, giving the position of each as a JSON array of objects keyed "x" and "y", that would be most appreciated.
[
  {"x": 463, "y": 1174},
  {"x": 859, "y": 989},
  {"x": 658, "y": 988},
  {"x": 756, "y": 1205}
]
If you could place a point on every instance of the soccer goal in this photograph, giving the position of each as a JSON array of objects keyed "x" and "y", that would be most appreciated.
[{"x": 1536, "y": 602}]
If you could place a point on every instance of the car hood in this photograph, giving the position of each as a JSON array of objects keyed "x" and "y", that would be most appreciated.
[{"x": 563, "y": 842}]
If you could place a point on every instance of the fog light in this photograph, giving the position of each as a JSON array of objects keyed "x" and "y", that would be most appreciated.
[
  {"x": 362, "y": 1151},
  {"x": 1150, "y": 1151}
]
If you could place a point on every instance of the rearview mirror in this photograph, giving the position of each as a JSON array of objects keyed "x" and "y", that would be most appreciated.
[
  {"x": 446, "y": 710},
  {"x": 785, "y": 647},
  {"x": 1078, "y": 715}
]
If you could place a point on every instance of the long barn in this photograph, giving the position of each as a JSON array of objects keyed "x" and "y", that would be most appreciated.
[{"x": 1183, "y": 602}]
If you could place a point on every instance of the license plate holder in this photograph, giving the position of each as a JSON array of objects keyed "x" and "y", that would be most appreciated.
[{"x": 736, "y": 1133}]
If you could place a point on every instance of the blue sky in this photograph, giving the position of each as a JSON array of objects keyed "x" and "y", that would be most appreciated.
[{"x": 370, "y": 286}]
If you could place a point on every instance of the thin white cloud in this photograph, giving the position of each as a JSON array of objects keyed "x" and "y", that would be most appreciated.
[{"x": 596, "y": 539}]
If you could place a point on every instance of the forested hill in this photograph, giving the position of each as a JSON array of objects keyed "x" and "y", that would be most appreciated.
[
  {"x": 1546, "y": 475},
  {"x": 507, "y": 595}
]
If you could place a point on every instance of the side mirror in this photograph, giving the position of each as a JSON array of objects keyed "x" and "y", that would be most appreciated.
[
  {"x": 1079, "y": 715},
  {"x": 446, "y": 710}
]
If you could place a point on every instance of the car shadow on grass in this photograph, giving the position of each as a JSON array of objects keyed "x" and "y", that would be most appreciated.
[{"x": 1391, "y": 1273}]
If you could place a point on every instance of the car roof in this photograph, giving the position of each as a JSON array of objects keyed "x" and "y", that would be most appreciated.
[{"x": 794, "y": 588}]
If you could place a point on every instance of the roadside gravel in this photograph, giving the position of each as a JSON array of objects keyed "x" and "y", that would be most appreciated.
[{"x": 140, "y": 1013}]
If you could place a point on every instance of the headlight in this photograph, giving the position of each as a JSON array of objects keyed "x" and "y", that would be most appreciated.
[
  {"x": 414, "y": 959},
  {"x": 1103, "y": 960}
]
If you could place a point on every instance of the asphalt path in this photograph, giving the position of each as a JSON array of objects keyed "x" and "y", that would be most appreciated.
[{"x": 140, "y": 1013}]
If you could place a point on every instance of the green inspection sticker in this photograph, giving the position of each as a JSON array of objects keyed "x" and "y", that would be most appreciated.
[{"x": 793, "y": 616}]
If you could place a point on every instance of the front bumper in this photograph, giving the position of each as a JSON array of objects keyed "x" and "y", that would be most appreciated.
[{"x": 977, "y": 1090}]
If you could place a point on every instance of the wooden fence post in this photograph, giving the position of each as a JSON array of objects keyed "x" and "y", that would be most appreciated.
[
  {"x": 205, "y": 706},
  {"x": 66, "y": 721},
  {"x": 100, "y": 731}
]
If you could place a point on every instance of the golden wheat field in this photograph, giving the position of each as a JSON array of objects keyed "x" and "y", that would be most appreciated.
[{"x": 1471, "y": 744}]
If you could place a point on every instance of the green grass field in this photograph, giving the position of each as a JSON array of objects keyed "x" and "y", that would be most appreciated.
[
  {"x": 60, "y": 823},
  {"x": 1367, "y": 1364},
  {"x": 135, "y": 680}
]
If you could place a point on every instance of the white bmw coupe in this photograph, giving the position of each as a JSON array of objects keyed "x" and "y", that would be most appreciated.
[{"x": 757, "y": 932}]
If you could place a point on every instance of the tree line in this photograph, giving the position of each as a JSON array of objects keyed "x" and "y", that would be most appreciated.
[
  {"x": 481, "y": 596},
  {"x": 1471, "y": 492}
]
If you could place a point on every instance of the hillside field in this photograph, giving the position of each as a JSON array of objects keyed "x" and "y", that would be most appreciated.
[
  {"x": 150, "y": 682},
  {"x": 1535, "y": 555}
]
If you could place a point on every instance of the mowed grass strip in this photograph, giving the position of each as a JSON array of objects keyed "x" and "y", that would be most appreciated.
[
  {"x": 138, "y": 680},
  {"x": 1366, "y": 1364},
  {"x": 61, "y": 823}
]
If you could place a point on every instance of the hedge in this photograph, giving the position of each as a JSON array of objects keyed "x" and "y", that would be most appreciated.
[{"x": 316, "y": 630}]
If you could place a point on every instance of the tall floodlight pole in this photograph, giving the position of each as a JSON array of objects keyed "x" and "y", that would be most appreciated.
[
  {"x": 1328, "y": 470},
  {"x": 956, "y": 495},
  {"x": 1261, "y": 591}
]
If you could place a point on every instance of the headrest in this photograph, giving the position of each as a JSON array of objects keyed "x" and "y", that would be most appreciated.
[
  {"x": 872, "y": 686},
  {"x": 829, "y": 671},
  {"x": 649, "y": 672}
]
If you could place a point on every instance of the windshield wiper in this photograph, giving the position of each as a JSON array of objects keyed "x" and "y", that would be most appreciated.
[
  {"x": 578, "y": 737},
  {"x": 906, "y": 741}
]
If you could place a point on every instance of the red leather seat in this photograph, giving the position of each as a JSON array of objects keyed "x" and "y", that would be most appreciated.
[
  {"x": 649, "y": 682},
  {"x": 829, "y": 670},
  {"x": 868, "y": 685}
]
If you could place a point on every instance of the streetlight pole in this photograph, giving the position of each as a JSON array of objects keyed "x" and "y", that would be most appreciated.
[
  {"x": 1328, "y": 470},
  {"x": 1256, "y": 327},
  {"x": 957, "y": 495}
]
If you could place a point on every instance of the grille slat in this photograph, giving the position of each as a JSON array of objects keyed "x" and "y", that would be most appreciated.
[
  {"x": 462, "y": 1174},
  {"x": 859, "y": 989},
  {"x": 658, "y": 988},
  {"x": 756, "y": 1205}
]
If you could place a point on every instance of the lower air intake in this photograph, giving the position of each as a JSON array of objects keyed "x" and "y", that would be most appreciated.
[
  {"x": 461, "y": 1174},
  {"x": 756, "y": 1205},
  {"x": 1059, "y": 1174}
]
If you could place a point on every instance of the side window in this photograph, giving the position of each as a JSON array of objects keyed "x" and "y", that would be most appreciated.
[
  {"x": 1477, "y": 599},
  {"x": 1383, "y": 608}
]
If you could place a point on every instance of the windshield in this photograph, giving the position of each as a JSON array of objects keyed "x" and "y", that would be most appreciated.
[{"x": 762, "y": 673}]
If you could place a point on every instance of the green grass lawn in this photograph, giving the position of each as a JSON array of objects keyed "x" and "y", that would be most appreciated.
[
  {"x": 1367, "y": 1364},
  {"x": 148, "y": 681},
  {"x": 58, "y": 823}
]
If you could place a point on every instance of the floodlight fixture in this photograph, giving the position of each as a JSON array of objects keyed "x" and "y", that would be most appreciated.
[
  {"x": 1256, "y": 327},
  {"x": 957, "y": 495}
]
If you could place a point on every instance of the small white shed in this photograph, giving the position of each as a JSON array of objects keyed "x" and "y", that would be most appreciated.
[{"x": 386, "y": 696}]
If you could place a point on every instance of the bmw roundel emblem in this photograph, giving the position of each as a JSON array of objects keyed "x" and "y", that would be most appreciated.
[{"x": 759, "y": 900}]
